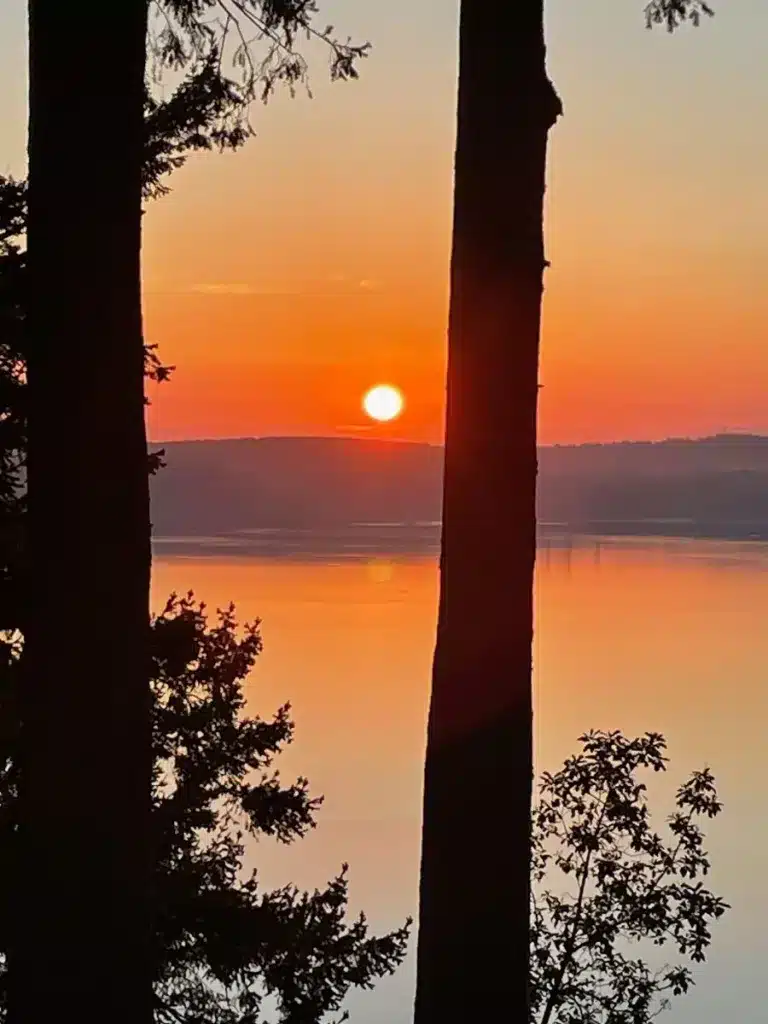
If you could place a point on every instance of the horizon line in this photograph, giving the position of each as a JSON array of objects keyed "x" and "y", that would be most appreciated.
[{"x": 727, "y": 436}]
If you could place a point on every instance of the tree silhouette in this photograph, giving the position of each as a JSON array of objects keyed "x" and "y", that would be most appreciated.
[
  {"x": 82, "y": 916},
  {"x": 479, "y": 742},
  {"x": 82, "y": 913},
  {"x": 619, "y": 885}
]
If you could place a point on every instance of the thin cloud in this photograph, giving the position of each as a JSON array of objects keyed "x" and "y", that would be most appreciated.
[
  {"x": 238, "y": 288},
  {"x": 335, "y": 287}
]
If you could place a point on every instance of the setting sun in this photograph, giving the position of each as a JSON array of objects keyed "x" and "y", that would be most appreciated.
[{"x": 383, "y": 402}]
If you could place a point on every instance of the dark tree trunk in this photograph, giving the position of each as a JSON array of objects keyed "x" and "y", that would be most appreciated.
[
  {"x": 474, "y": 901},
  {"x": 81, "y": 944}
]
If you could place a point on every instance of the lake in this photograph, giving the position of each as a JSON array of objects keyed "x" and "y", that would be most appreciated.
[{"x": 638, "y": 635}]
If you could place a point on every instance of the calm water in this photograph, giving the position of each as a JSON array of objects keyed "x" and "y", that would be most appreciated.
[{"x": 666, "y": 636}]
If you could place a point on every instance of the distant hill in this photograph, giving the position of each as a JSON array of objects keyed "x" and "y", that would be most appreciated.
[
  {"x": 715, "y": 486},
  {"x": 294, "y": 483}
]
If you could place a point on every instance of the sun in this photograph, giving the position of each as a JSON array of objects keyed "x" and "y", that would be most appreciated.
[{"x": 383, "y": 402}]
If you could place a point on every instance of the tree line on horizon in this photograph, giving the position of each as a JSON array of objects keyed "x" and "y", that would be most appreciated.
[{"x": 86, "y": 687}]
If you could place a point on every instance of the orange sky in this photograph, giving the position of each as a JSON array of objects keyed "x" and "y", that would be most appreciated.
[{"x": 285, "y": 279}]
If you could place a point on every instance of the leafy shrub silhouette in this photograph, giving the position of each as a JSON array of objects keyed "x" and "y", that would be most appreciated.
[{"x": 605, "y": 882}]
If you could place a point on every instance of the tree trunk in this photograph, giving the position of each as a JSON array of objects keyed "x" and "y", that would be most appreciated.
[
  {"x": 475, "y": 873},
  {"x": 81, "y": 946}
]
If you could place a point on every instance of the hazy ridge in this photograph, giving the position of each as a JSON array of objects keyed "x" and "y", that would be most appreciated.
[{"x": 252, "y": 490}]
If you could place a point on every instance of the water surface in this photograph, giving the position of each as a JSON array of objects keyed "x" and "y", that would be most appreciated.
[{"x": 633, "y": 635}]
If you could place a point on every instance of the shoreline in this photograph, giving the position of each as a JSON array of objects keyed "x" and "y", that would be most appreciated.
[{"x": 376, "y": 540}]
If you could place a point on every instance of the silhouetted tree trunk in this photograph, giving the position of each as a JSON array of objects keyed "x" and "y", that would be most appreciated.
[
  {"x": 81, "y": 943},
  {"x": 474, "y": 913}
]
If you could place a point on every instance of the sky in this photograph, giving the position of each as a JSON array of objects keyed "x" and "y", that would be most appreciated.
[{"x": 285, "y": 279}]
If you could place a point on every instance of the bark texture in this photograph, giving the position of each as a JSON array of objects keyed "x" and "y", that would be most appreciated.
[
  {"x": 81, "y": 944},
  {"x": 474, "y": 901}
]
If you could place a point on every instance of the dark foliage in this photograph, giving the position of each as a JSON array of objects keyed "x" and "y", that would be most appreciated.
[
  {"x": 203, "y": 113},
  {"x": 620, "y": 885},
  {"x": 227, "y": 53},
  {"x": 673, "y": 13},
  {"x": 259, "y": 37},
  {"x": 223, "y": 944}
]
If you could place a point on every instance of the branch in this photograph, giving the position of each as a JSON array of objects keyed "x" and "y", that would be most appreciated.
[{"x": 570, "y": 943}]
